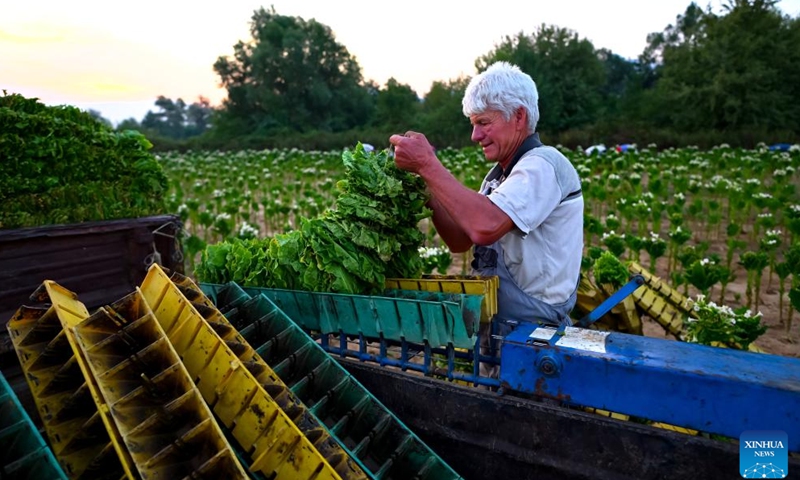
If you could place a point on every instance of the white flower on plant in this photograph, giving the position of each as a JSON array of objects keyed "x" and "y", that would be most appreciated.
[
  {"x": 427, "y": 252},
  {"x": 247, "y": 231},
  {"x": 218, "y": 193},
  {"x": 223, "y": 217},
  {"x": 610, "y": 234}
]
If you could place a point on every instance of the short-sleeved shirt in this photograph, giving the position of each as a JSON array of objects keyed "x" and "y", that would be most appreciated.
[{"x": 543, "y": 253}]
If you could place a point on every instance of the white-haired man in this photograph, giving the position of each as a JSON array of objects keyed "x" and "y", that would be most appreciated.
[{"x": 526, "y": 222}]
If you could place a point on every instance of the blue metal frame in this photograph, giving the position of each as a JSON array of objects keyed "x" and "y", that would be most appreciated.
[
  {"x": 408, "y": 352},
  {"x": 714, "y": 390},
  {"x": 635, "y": 282}
]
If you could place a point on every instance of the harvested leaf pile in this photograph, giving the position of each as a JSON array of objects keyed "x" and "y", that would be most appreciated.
[
  {"x": 60, "y": 165},
  {"x": 370, "y": 234}
]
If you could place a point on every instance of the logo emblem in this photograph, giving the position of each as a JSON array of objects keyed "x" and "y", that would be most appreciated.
[{"x": 764, "y": 454}]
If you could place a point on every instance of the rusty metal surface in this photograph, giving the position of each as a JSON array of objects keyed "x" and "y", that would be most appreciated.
[{"x": 100, "y": 261}]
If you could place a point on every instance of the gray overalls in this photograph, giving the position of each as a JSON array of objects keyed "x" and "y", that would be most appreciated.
[{"x": 514, "y": 306}]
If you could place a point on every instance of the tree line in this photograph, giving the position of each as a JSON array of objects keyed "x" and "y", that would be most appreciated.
[{"x": 710, "y": 78}]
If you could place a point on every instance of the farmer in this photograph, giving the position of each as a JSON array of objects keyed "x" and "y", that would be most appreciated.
[{"x": 526, "y": 223}]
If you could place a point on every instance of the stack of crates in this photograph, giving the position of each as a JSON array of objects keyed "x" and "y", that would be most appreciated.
[{"x": 164, "y": 384}]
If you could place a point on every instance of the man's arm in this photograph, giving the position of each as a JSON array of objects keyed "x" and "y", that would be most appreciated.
[
  {"x": 473, "y": 218},
  {"x": 452, "y": 234}
]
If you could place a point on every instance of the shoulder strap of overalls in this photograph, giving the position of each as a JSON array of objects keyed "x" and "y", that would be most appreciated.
[{"x": 531, "y": 142}]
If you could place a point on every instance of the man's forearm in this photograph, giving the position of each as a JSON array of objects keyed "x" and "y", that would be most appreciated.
[
  {"x": 471, "y": 214},
  {"x": 453, "y": 235}
]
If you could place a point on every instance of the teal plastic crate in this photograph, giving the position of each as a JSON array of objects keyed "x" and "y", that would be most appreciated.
[
  {"x": 383, "y": 445},
  {"x": 24, "y": 453},
  {"x": 440, "y": 319}
]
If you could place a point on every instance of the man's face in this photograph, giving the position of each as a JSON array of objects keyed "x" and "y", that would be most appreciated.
[{"x": 498, "y": 137}]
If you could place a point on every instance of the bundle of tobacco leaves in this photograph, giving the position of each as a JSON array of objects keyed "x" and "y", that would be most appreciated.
[{"x": 370, "y": 234}]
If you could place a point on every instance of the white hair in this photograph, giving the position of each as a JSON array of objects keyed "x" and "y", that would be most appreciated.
[{"x": 502, "y": 87}]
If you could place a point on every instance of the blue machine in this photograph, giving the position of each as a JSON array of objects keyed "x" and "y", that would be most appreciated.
[{"x": 714, "y": 390}]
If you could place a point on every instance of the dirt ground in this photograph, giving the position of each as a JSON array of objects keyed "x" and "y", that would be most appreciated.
[{"x": 776, "y": 339}]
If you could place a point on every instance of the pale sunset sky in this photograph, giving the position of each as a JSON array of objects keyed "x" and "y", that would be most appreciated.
[{"x": 118, "y": 57}]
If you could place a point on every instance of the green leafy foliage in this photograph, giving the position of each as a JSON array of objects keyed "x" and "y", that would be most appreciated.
[
  {"x": 292, "y": 75},
  {"x": 61, "y": 165},
  {"x": 435, "y": 258},
  {"x": 369, "y": 235},
  {"x": 712, "y": 324},
  {"x": 567, "y": 70},
  {"x": 609, "y": 269}
]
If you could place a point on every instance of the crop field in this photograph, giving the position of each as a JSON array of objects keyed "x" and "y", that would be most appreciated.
[{"x": 724, "y": 223}]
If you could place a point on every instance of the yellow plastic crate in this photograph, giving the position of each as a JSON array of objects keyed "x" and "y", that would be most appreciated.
[
  {"x": 167, "y": 427},
  {"x": 468, "y": 284},
  {"x": 82, "y": 436},
  {"x": 276, "y": 447}
]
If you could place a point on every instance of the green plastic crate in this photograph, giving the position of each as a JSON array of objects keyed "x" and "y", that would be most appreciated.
[
  {"x": 25, "y": 453},
  {"x": 414, "y": 316}
]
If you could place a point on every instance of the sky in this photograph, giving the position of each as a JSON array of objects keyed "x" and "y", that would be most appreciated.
[{"x": 118, "y": 57}]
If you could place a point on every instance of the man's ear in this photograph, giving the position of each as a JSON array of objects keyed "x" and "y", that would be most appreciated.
[{"x": 521, "y": 116}]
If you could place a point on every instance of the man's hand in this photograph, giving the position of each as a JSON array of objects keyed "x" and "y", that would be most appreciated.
[{"x": 412, "y": 151}]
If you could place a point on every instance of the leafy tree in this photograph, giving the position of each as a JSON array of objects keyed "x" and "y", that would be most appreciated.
[
  {"x": 292, "y": 76},
  {"x": 168, "y": 120},
  {"x": 198, "y": 116},
  {"x": 397, "y": 106},
  {"x": 442, "y": 117},
  {"x": 621, "y": 78},
  {"x": 99, "y": 117},
  {"x": 567, "y": 71},
  {"x": 733, "y": 72},
  {"x": 129, "y": 124},
  {"x": 175, "y": 119}
]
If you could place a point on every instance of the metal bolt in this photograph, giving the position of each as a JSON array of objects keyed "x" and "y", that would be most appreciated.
[{"x": 548, "y": 366}]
